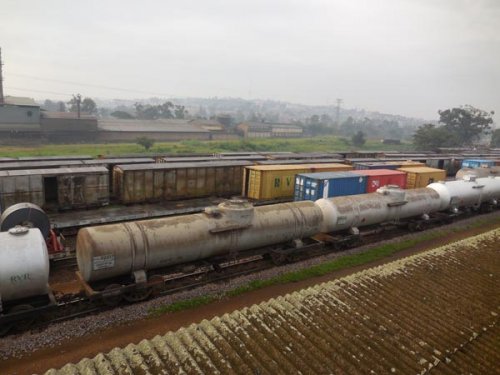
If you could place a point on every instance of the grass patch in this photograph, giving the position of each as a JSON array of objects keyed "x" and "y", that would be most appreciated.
[
  {"x": 182, "y": 305},
  {"x": 295, "y": 276},
  {"x": 314, "y": 144}
]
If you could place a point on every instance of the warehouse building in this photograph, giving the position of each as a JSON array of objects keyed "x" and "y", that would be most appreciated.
[
  {"x": 269, "y": 130},
  {"x": 19, "y": 120},
  {"x": 67, "y": 127},
  {"x": 160, "y": 130}
]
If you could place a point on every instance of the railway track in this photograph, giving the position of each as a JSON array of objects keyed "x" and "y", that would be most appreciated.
[{"x": 71, "y": 306}]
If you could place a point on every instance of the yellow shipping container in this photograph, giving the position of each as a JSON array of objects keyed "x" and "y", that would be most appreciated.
[
  {"x": 278, "y": 181},
  {"x": 417, "y": 177}
]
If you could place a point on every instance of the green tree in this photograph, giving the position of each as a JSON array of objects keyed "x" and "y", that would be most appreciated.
[
  {"x": 145, "y": 142},
  {"x": 180, "y": 111},
  {"x": 89, "y": 106},
  {"x": 431, "y": 137},
  {"x": 154, "y": 112},
  {"x": 75, "y": 101},
  {"x": 122, "y": 115},
  {"x": 358, "y": 139},
  {"x": 495, "y": 138},
  {"x": 466, "y": 123}
]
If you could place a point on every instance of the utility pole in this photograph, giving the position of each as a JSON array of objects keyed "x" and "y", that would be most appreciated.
[
  {"x": 1, "y": 79},
  {"x": 78, "y": 100},
  {"x": 337, "y": 120}
]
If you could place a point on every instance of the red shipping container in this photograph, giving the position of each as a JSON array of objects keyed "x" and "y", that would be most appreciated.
[{"x": 376, "y": 178}]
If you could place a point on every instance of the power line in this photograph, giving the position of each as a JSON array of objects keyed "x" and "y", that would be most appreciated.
[
  {"x": 40, "y": 91},
  {"x": 59, "y": 93},
  {"x": 90, "y": 85}
]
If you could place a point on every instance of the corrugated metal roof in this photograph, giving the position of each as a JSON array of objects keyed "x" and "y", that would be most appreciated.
[
  {"x": 138, "y": 167},
  {"x": 20, "y": 100},
  {"x": 53, "y": 171},
  {"x": 436, "y": 310},
  {"x": 163, "y": 126}
]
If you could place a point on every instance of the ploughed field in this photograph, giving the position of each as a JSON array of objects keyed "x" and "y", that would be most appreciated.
[{"x": 436, "y": 311}]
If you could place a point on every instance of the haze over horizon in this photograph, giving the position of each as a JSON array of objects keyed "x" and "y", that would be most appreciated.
[{"x": 403, "y": 57}]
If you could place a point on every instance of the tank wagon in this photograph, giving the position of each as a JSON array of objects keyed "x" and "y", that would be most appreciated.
[
  {"x": 129, "y": 253},
  {"x": 24, "y": 276}
]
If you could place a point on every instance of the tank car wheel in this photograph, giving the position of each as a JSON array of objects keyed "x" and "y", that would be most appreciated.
[
  {"x": 279, "y": 258},
  {"x": 25, "y": 323},
  {"x": 138, "y": 295},
  {"x": 112, "y": 295}
]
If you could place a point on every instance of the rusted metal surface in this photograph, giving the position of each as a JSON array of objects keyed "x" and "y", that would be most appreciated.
[
  {"x": 172, "y": 181},
  {"x": 432, "y": 312},
  {"x": 55, "y": 188}
]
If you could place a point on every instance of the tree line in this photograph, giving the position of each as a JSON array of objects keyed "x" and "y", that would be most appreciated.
[{"x": 463, "y": 126}]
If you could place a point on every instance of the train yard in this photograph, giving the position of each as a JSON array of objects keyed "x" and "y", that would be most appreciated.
[
  {"x": 86, "y": 336},
  {"x": 162, "y": 227},
  {"x": 136, "y": 260}
]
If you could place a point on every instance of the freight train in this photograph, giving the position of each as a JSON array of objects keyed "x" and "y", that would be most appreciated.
[
  {"x": 127, "y": 259},
  {"x": 67, "y": 183}
]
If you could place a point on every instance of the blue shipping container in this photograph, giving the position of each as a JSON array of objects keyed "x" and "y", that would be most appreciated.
[
  {"x": 477, "y": 163},
  {"x": 313, "y": 186}
]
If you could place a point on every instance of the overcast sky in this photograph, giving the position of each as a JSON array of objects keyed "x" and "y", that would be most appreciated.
[{"x": 396, "y": 56}]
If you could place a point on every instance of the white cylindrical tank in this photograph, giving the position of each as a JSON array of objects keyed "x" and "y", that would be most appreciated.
[
  {"x": 121, "y": 249},
  {"x": 24, "y": 264},
  {"x": 387, "y": 204},
  {"x": 469, "y": 192},
  {"x": 478, "y": 172}
]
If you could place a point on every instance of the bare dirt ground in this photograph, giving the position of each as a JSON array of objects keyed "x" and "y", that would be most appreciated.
[{"x": 76, "y": 349}]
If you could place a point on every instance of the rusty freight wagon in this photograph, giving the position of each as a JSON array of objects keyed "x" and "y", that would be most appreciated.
[
  {"x": 56, "y": 188},
  {"x": 267, "y": 182},
  {"x": 174, "y": 181}
]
